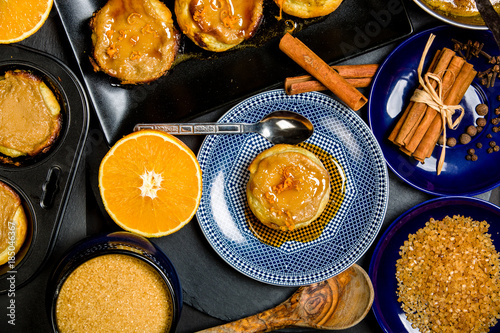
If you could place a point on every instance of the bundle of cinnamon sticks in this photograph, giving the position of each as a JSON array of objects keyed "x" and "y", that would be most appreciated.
[{"x": 420, "y": 126}]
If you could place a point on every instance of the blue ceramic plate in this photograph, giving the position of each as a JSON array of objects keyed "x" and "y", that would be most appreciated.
[
  {"x": 382, "y": 270},
  {"x": 392, "y": 88},
  {"x": 223, "y": 212}
]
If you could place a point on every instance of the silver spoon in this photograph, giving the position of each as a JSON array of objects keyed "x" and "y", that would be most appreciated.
[{"x": 277, "y": 127}]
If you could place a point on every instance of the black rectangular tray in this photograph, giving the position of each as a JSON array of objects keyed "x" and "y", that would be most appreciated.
[
  {"x": 207, "y": 81},
  {"x": 44, "y": 183}
]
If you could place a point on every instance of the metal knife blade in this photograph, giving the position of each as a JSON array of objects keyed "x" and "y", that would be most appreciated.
[{"x": 490, "y": 17}]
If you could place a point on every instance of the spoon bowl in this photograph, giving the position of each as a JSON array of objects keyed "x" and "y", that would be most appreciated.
[
  {"x": 277, "y": 127},
  {"x": 334, "y": 304}
]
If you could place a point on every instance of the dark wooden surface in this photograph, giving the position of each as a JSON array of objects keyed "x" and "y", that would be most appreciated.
[{"x": 83, "y": 214}]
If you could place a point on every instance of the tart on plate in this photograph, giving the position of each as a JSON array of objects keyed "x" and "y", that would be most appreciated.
[{"x": 288, "y": 187}]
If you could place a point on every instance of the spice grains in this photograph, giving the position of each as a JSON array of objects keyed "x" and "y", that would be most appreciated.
[
  {"x": 114, "y": 293},
  {"x": 448, "y": 277}
]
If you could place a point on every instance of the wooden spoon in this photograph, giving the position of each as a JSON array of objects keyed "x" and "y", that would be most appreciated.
[{"x": 337, "y": 303}]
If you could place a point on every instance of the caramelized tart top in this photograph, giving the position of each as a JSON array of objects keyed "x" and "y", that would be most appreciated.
[
  {"x": 29, "y": 114},
  {"x": 134, "y": 40}
]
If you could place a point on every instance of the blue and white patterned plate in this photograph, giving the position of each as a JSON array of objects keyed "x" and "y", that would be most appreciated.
[{"x": 339, "y": 132}]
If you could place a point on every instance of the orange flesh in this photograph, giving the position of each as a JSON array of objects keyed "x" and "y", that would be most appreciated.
[
  {"x": 18, "y": 17},
  {"x": 166, "y": 205}
]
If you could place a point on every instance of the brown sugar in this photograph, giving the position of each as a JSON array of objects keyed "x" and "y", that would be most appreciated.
[
  {"x": 449, "y": 277},
  {"x": 114, "y": 293}
]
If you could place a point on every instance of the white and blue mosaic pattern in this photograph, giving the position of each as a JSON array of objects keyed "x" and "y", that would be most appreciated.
[{"x": 224, "y": 160}]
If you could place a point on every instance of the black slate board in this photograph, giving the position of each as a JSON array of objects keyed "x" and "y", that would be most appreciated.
[{"x": 208, "y": 80}]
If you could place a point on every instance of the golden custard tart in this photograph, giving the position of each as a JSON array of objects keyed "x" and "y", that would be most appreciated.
[
  {"x": 13, "y": 223},
  {"x": 134, "y": 40},
  {"x": 288, "y": 187},
  {"x": 218, "y": 25},
  {"x": 30, "y": 115},
  {"x": 308, "y": 8}
]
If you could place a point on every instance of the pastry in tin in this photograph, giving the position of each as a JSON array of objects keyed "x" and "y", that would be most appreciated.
[
  {"x": 308, "y": 8},
  {"x": 218, "y": 25},
  {"x": 13, "y": 223},
  {"x": 288, "y": 187},
  {"x": 134, "y": 40},
  {"x": 30, "y": 115}
]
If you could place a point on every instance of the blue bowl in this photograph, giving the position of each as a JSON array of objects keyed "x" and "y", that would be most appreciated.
[
  {"x": 386, "y": 307},
  {"x": 121, "y": 242}
]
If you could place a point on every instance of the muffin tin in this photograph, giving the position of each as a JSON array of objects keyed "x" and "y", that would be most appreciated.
[{"x": 45, "y": 181}]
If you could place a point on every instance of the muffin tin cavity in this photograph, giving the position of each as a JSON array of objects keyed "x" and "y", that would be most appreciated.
[
  {"x": 56, "y": 88},
  {"x": 14, "y": 263}
]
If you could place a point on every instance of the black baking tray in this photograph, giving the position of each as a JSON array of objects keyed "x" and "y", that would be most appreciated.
[
  {"x": 44, "y": 183},
  {"x": 207, "y": 80}
]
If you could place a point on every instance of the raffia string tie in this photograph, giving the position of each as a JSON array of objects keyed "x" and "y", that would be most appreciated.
[{"x": 433, "y": 98}]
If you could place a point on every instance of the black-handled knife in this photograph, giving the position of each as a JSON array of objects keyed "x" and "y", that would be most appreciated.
[{"x": 490, "y": 17}]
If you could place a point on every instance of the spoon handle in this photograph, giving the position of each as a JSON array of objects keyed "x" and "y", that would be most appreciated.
[
  {"x": 273, "y": 319},
  {"x": 194, "y": 128}
]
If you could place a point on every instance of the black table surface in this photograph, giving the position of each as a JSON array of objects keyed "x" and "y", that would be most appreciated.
[{"x": 83, "y": 215}]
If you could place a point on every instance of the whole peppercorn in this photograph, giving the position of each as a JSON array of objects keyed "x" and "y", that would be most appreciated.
[
  {"x": 498, "y": 97},
  {"x": 495, "y": 129},
  {"x": 479, "y": 129},
  {"x": 471, "y": 151},
  {"x": 489, "y": 136},
  {"x": 482, "y": 109},
  {"x": 492, "y": 144},
  {"x": 481, "y": 122},
  {"x": 490, "y": 150},
  {"x": 496, "y": 148},
  {"x": 464, "y": 138},
  {"x": 494, "y": 121},
  {"x": 441, "y": 140},
  {"x": 479, "y": 145},
  {"x": 468, "y": 157},
  {"x": 474, "y": 157},
  {"x": 471, "y": 130},
  {"x": 451, "y": 142},
  {"x": 497, "y": 111}
]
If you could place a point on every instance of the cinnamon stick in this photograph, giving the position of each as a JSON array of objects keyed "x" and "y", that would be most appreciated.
[
  {"x": 294, "y": 86},
  {"x": 448, "y": 79},
  {"x": 315, "y": 66},
  {"x": 457, "y": 92},
  {"x": 417, "y": 110},
  {"x": 359, "y": 76},
  {"x": 402, "y": 119}
]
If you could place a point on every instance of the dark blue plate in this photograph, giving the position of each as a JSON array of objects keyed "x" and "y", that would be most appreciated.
[
  {"x": 392, "y": 88},
  {"x": 382, "y": 270}
]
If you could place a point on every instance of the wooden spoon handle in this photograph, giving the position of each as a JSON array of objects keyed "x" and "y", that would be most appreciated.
[{"x": 270, "y": 320}]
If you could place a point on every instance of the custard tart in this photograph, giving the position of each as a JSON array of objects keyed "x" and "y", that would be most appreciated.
[
  {"x": 288, "y": 187},
  {"x": 30, "y": 115},
  {"x": 134, "y": 40},
  {"x": 13, "y": 223},
  {"x": 308, "y": 8},
  {"x": 218, "y": 25}
]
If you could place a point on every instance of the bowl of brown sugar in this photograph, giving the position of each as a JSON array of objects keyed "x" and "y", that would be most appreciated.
[{"x": 119, "y": 282}]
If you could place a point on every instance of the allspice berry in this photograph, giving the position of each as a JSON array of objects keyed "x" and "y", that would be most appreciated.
[
  {"x": 451, "y": 142},
  {"x": 482, "y": 109},
  {"x": 471, "y": 130},
  {"x": 481, "y": 122},
  {"x": 474, "y": 157},
  {"x": 464, "y": 138},
  {"x": 494, "y": 121}
]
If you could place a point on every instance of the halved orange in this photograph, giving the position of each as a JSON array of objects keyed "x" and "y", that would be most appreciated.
[
  {"x": 150, "y": 183},
  {"x": 20, "y": 19}
]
